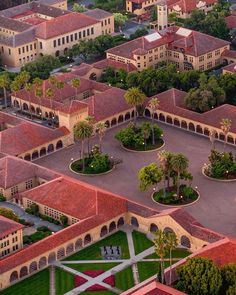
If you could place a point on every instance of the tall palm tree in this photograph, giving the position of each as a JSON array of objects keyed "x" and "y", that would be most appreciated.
[
  {"x": 225, "y": 125},
  {"x": 75, "y": 83},
  {"x": 134, "y": 97},
  {"x": 38, "y": 84},
  {"x": 160, "y": 245},
  {"x": 179, "y": 164},
  {"x": 164, "y": 158},
  {"x": 153, "y": 105},
  {"x": 172, "y": 243},
  {"x": 101, "y": 129},
  {"x": 90, "y": 120},
  {"x": 60, "y": 85},
  {"x": 82, "y": 131},
  {"x": 50, "y": 93},
  {"x": 15, "y": 86},
  {"x": 28, "y": 88},
  {"x": 5, "y": 84},
  {"x": 146, "y": 134},
  {"x": 212, "y": 137}
]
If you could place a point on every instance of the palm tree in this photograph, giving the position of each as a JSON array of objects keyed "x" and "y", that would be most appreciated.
[
  {"x": 153, "y": 105},
  {"x": 135, "y": 97},
  {"x": 146, "y": 134},
  {"x": 5, "y": 84},
  {"x": 50, "y": 93},
  {"x": 164, "y": 158},
  {"x": 179, "y": 164},
  {"x": 90, "y": 120},
  {"x": 171, "y": 245},
  {"x": 38, "y": 83},
  {"x": 160, "y": 245},
  {"x": 225, "y": 125},
  {"x": 15, "y": 86},
  {"x": 82, "y": 131},
  {"x": 212, "y": 136},
  {"x": 101, "y": 129},
  {"x": 28, "y": 88},
  {"x": 75, "y": 83},
  {"x": 60, "y": 85}
]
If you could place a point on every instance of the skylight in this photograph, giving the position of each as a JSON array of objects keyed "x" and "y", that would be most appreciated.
[{"x": 153, "y": 37}]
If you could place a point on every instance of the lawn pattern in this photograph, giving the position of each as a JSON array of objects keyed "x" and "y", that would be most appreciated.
[{"x": 141, "y": 242}]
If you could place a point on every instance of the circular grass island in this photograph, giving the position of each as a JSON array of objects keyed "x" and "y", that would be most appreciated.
[
  {"x": 226, "y": 176},
  {"x": 93, "y": 165},
  {"x": 187, "y": 196},
  {"x": 144, "y": 137}
]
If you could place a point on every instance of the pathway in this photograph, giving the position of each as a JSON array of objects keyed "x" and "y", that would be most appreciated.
[{"x": 52, "y": 280}]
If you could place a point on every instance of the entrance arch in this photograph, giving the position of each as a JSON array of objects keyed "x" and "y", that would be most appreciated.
[
  {"x": 59, "y": 145},
  {"x": 42, "y": 262},
  {"x": 104, "y": 231},
  {"x": 120, "y": 119},
  {"x": 14, "y": 276},
  {"x": 23, "y": 271},
  {"x": 134, "y": 221},
  {"x": 51, "y": 257},
  {"x": 50, "y": 148},
  {"x": 112, "y": 226},
  {"x": 185, "y": 242},
  {"x": 147, "y": 113},
  {"x": 33, "y": 267},
  {"x": 120, "y": 222},
  {"x": 153, "y": 227},
  {"x": 87, "y": 239},
  {"x": 35, "y": 155}
]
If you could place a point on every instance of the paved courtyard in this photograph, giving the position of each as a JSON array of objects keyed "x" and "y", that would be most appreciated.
[{"x": 217, "y": 206}]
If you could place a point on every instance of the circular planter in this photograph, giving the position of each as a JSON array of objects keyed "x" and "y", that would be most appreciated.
[
  {"x": 216, "y": 179},
  {"x": 93, "y": 174},
  {"x": 175, "y": 205},
  {"x": 147, "y": 151}
]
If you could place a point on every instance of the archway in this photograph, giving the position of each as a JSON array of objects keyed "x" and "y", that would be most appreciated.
[
  {"x": 14, "y": 276},
  {"x": 93, "y": 77},
  {"x": 185, "y": 242},
  {"x": 33, "y": 267},
  {"x": 162, "y": 117},
  {"x": 169, "y": 120},
  {"x": 112, "y": 226},
  {"x": 60, "y": 253},
  {"x": 155, "y": 116},
  {"x": 65, "y": 51},
  {"x": 127, "y": 116},
  {"x": 43, "y": 152},
  {"x": 27, "y": 157},
  {"x": 199, "y": 129},
  {"x": 38, "y": 111},
  {"x": 25, "y": 107},
  {"x": 191, "y": 127},
  {"x": 206, "y": 131},
  {"x": 153, "y": 227},
  {"x": 32, "y": 108},
  {"x": 59, "y": 145},
  {"x": 50, "y": 148},
  {"x": 69, "y": 249},
  {"x": 134, "y": 221},
  {"x": 16, "y": 104},
  {"x": 107, "y": 124},
  {"x": 113, "y": 122},
  {"x": 184, "y": 125},
  {"x": 230, "y": 139},
  {"x": 147, "y": 113},
  {"x": 87, "y": 239},
  {"x": 57, "y": 53},
  {"x": 120, "y": 119},
  {"x": 23, "y": 271},
  {"x": 51, "y": 257},
  {"x": 176, "y": 122},
  {"x": 35, "y": 155},
  {"x": 120, "y": 222},
  {"x": 42, "y": 262},
  {"x": 104, "y": 231},
  {"x": 78, "y": 244},
  {"x": 169, "y": 230},
  {"x": 222, "y": 137}
]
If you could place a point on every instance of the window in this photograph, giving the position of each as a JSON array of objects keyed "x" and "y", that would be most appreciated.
[
  {"x": 29, "y": 184},
  {"x": 88, "y": 32},
  {"x": 209, "y": 55},
  {"x": 54, "y": 43},
  {"x": 40, "y": 45},
  {"x": 84, "y": 33},
  {"x": 92, "y": 31},
  {"x": 71, "y": 38},
  {"x": 35, "y": 46},
  {"x": 76, "y": 36},
  {"x": 217, "y": 52},
  {"x": 19, "y": 50},
  {"x": 63, "y": 40},
  {"x": 59, "y": 42},
  {"x": 9, "y": 51},
  {"x": 27, "y": 48},
  {"x": 201, "y": 58},
  {"x": 161, "y": 55},
  {"x": 23, "y": 49},
  {"x": 176, "y": 54},
  {"x": 209, "y": 65},
  {"x": 109, "y": 21},
  {"x": 14, "y": 190},
  {"x": 79, "y": 35},
  {"x": 67, "y": 39}
]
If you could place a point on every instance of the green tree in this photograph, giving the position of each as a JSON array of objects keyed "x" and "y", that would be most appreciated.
[
  {"x": 82, "y": 131},
  {"x": 78, "y": 7},
  {"x": 199, "y": 276},
  {"x": 134, "y": 97},
  {"x": 149, "y": 175},
  {"x": 28, "y": 88},
  {"x": 228, "y": 273},
  {"x": 212, "y": 137},
  {"x": 50, "y": 93},
  {"x": 225, "y": 125},
  {"x": 153, "y": 105},
  {"x": 179, "y": 164},
  {"x": 120, "y": 19},
  {"x": 164, "y": 158},
  {"x": 172, "y": 243},
  {"x": 5, "y": 84},
  {"x": 64, "y": 220},
  {"x": 146, "y": 132},
  {"x": 101, "y": 129},
  {"x": 38, "y": 91},
  {"x": 76, "y": 84},
  {"x": 8, "y": 213},
  {"x": 161, "y": 249}
]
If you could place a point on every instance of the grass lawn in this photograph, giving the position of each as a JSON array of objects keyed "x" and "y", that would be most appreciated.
[
  {"x": 37, "y": 284},
  {"x": 178, "y": 253},
  {"x": 93, "y": 252},
  {"x": 64, "y": 281},
  {"x": 124, "y": 279},
  {"x": 92, "y": 266},
  {"x": 97, "y": 293},
  {"x": 148, "y": 269},
  {"x": 141, "y": 242}
]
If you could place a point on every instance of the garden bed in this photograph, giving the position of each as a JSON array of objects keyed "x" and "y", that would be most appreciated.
[
  {"x": 149, "y": 147},
  {"x": 93, "y": 166},
  {"x": 171, "y": 198},
  {"x": 226, "y": 178}
]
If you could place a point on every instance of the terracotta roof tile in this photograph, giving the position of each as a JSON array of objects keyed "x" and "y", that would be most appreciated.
[
  {"x": 188, "y": 5},
  {"x": 98, "y": 14},
  {"x": 8, "y": 226}
]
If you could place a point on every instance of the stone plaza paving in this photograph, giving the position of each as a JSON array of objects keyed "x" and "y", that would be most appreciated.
[{"x": 217, "y": 205}]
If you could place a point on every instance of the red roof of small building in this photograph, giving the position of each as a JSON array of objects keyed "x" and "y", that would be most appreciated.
[
  {"x": 188, "y": 5},
  {"x": 7, "y": 226},
  {"x": 102, "y": 64},
  {"x": 230, "y": 68},
  {"x": 229, "y": 53},
  {"x": 64, "y": 24}
]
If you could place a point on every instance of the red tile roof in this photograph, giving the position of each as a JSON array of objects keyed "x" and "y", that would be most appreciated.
[
  {"x": 72, "y": 107},
  {"x": 27, "y": 136},
  {"x": 8, "y": 226},
  {"x": 229, "y": 53},
  {"x": 97, "y": 13},
  {"x": 231, "y": 21},
  {"x": 14, "y": 171},
  {"x": 188, "y": 5},
  {"x": 102, "y": 64},
  {"x": 230, "y": 68},
  {"x": 195, "y": 43},
  {"x": 64, "y": 24}
]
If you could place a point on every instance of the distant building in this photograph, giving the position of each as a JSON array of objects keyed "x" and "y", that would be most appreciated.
[
  {"x": 11, "y": 236},
  {"x": 36, "y": 28},
  {"x": 185, "y": 48}
]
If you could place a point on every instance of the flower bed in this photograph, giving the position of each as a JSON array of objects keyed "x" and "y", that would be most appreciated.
[
  {"x": 140, "y": 137},
  {"x": 79, "y": 281},
  {"x": 187, "y": 196}
]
